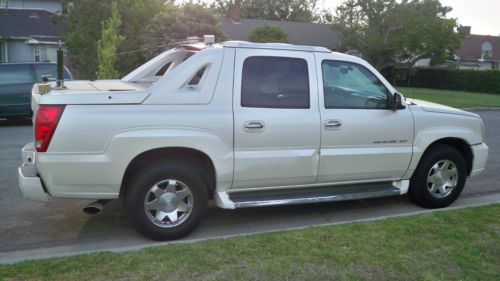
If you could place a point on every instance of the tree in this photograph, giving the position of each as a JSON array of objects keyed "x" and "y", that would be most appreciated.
[
  {"x": 267, "y": 33},
  {"x": 176, "y": 22},
  {"x": 290, "y": 10},
  {"x": 107, "y": 45},
  {"x": 84, "y": 20},
  {"x": 389, "y": 32}
]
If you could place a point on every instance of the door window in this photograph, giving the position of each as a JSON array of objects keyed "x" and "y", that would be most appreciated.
[
  {"x": 351, "y": 85},
  {"x": 275, "y": 82}
]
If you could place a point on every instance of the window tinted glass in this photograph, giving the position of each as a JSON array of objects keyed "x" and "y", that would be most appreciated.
[
  {"x": 350, "y": 85},
  {"x": 275, "y": 82},
  {"x": 16, "y": 74},
  {"x": 48, "y": 69}
]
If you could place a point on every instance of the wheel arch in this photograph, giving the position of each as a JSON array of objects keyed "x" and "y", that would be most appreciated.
[
  {"x": 190, "y": 156},
  {"x": 461, "y": 145}
]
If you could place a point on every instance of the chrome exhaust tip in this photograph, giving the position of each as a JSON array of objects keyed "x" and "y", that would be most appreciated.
[{"x": 95, "y": 208}]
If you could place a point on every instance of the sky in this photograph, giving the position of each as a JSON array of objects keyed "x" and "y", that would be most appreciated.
[{"x": 482, "y": 15}]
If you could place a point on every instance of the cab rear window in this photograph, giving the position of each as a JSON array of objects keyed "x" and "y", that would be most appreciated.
[{"x": 16, "y": 74}]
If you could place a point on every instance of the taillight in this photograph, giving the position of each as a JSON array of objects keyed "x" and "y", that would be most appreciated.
[{"x": 46, "y": 121}]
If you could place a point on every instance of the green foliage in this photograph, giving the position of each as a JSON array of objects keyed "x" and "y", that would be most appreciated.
[
  {"x": 267, "y": 34},
  {"x": 390, "y": 32},
  {"x": 484, "y": 81},
  {"x": 176, "y": 22},
  {"x": 291, "y": 10},
  {"x": 84, "y": 22},
  {"x": 106, "y": 46}
]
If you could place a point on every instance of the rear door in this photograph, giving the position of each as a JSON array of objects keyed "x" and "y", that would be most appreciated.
[
  {"x": 16, "y": 81},
  {"x": 276, "y": 119}
]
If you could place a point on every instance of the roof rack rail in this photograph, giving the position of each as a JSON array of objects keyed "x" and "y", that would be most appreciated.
[{"x": 275, "y": 46}]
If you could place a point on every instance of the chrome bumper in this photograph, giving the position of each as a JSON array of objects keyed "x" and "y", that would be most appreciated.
[
  {"x": 480, "y": 154},
  {"x": 27, "y": 176}
]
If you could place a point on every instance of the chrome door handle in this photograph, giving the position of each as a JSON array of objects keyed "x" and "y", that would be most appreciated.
[
  {"x": 253, "y": 126},
  {"x": 333, "y": 125}
]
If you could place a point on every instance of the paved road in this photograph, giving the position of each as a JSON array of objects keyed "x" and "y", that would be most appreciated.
[{"x": 34, "y": 229}]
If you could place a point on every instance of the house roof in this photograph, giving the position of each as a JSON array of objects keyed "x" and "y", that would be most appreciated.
[
  {"x": 29, "y": 23},
  {"x": 299, "y": 33},
  {"x": 471, "y": 47}
]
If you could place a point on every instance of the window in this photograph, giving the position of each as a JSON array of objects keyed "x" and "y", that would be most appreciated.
[
  {"x": 16, "y": 74},
  {"x": 36, "y": 50},
  {"x": 3, "y": 51},
  {"x": 39, "y": 53},
  {"x": 275, "y": 82},
  {"x": 350, "y": 85}
]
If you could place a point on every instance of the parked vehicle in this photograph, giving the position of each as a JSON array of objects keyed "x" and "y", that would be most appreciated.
[
  {"x": 247, "y": 125},
  {"x": 16, "y": 82}
]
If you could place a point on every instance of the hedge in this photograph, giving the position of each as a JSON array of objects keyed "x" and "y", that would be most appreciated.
[{"x": 486, "y": 81}]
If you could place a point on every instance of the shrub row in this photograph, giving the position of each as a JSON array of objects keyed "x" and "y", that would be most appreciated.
[{"x": 486, "y": 81}]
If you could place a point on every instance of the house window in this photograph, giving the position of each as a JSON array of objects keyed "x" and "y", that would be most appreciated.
[
  {"x": 3, "y": 52},
  {"x": 36, "y": 49},
  {"x": 40, "y": 53}
]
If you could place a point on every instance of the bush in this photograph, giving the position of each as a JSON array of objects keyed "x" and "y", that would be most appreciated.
[
  {"x": 267, "y": 34},
  {"x": 486, "y": 81}
]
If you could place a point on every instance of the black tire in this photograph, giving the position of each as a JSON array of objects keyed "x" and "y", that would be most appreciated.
[
  {"x": 139, "y": 187},
  {"x": 419, "y": 188}
]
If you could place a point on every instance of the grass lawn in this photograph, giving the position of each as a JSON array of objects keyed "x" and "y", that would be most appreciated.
[
  {"x": 453, "y": 245},
  {"x": 453, "y": 98}
]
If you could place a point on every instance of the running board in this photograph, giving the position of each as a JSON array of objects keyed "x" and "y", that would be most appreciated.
[{"x": 290, "y": 196}]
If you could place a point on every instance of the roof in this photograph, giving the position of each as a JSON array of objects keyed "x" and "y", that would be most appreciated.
[
  {"x": 471, "y": 47},
  {"x": 275, "y": 46},
  {"x": 26, "y": 23},
  {"x": 300, "y": 33}
]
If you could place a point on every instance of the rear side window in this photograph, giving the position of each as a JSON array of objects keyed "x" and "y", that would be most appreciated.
[
  {"x": 16, "y": 74},
  {"x": 48, "y": 69},
  {"x": 275, "y": 82}
]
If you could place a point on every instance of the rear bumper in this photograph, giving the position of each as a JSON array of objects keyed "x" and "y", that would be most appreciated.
[
  {"x": 27, "y": 176},
  {"x": 480, "y": 152}
]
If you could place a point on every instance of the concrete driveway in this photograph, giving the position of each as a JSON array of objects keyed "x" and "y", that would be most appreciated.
[{"x": 30, "y": 229}]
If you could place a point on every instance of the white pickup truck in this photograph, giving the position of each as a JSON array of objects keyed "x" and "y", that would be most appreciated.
[{"x": 246, "y": 125}]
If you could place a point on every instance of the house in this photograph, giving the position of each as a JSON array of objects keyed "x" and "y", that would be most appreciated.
[
  {"x": 28, "y": 31},
  {"x": 300, "y": 33},
  {"x": 480, "y": 52}
]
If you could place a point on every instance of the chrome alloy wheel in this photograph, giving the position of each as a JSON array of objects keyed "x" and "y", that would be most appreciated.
[
  {"x": 168, "y": 203},
  {"x": 442, "y": 178}
]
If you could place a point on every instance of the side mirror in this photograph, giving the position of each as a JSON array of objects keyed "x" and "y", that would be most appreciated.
[
  {"x": 397, "y": 102},
  {"x": 47, "y": 78}
]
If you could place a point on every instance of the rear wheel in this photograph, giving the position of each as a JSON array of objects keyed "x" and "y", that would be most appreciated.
[
  {"x": 166, "y": 201},
  {"x": 439, "y": 177}
]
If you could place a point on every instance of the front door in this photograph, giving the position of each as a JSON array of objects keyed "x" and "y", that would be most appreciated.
[
  {"x": 276, "y": 119},
  {"x": 361, "y": 138}
]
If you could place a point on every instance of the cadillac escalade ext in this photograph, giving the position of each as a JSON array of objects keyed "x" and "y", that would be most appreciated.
[{"x": 247, "y": 125}]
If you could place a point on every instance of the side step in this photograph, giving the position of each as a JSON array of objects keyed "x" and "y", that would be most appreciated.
[{"x": 256, "y": 198}]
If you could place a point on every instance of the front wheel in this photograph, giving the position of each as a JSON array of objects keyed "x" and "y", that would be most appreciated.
[
  {"x": 439, "y": 177},
  {"x": 166, "y": 201}
]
